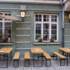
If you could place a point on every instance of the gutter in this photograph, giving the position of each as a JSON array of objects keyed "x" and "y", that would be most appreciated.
[
  {"x": 32, "y": 2},
  {"x": 63, "y": 4}
]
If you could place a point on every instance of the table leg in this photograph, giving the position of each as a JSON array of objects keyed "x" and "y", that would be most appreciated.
[
  {"x": 67, "y": 58},
  {"x": 6, "y": 59}
]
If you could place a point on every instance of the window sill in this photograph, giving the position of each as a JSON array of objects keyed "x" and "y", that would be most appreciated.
[
  {"x": 6, "y": 43},
  {"x": 46, "y": 43}
]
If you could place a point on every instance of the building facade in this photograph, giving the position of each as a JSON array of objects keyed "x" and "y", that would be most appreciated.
[{"x": 45, "y": 24}]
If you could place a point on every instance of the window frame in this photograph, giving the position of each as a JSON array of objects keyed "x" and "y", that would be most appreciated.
[
  {"x": 42, "y": 22},
  {"x": 3, "y": 22}
]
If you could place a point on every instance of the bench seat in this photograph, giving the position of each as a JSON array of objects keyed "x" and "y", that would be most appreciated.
[
  {"x": 27, "y": 56},
  {"x": 16, "y": 56},
  {"x": 47, "y": 58},
  {"x": 60, "y": 56}
]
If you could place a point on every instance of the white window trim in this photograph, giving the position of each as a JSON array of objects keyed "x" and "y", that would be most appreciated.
[
  {"x": 57, "y": 28},
  {"x": 49, "y": 26},
  {"x": 42, "y": 28},
  {"x": 3, "y": 28},
  {"x": 3, "y": 25}
]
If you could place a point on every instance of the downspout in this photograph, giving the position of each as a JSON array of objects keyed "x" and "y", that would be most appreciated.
[{"x": 62, "y": 44}]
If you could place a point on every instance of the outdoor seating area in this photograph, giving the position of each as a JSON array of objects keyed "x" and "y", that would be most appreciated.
[{"x": 34, "y": 56}]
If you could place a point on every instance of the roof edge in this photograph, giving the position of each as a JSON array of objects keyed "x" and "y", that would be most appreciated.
[{"x": 33, "y": 2}]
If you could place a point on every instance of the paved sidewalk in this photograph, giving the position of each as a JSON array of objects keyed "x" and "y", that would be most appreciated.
[
  {"x": 38, "y": 68},
  {"x": 55, "y": 66}
]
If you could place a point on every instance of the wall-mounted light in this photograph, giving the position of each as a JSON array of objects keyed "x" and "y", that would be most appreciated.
[{"x": 22, "y": 13}]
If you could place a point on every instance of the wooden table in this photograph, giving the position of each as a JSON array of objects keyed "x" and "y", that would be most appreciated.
[
  {"x": 36, "y": 50},
  {"x": 66, "y": 51},
  {"x": 6, "y": 52},
  {"x": 37, "y": 54}
]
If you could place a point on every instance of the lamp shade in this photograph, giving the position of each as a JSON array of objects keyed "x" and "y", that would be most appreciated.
[{"x": 22, "y": 13}]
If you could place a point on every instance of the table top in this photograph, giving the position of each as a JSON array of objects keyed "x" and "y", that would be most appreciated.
[
  {"x": 66, "y": 50},
  {"x": 5, "y": 50},
  {"x": 36, "y": 50}
]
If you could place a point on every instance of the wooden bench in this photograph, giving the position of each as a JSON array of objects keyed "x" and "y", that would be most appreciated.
[
  {"x": 61, "y": 57},
  {"x": 16, "y": 58},
  {"x": 26, "y": 58},
  {"x": 47, "y": 58}
]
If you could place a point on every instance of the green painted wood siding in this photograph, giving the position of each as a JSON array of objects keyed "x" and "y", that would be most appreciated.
[
  {"x": 67, "y": 34},
  {"x": 23, "y": 32}
]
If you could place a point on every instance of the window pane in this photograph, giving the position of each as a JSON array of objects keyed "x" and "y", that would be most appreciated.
[
  {"x": 38, "y": 37},
  {"x": 38, "y": 28},
  {"x": 54, "y": 26},
  {"x": 38, "y": 31},
  {"x": 54, "y": 31},
  {"x": 45, "y": 31},
  {"x": 54, "y": 18},
  {"x": 8, "y": 25},
  {"x": 38, "y": 17},
  {"x": 54, "y": 36},
  {"x": 45, "y": 17},
  {"x": 7, "y": 34},
  {"x": 8, "y": 29}
]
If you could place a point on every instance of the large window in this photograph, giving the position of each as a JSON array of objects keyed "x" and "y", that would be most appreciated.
[
  {"x": 46, "y": 27},
  {"x": 5, "y": 28}
]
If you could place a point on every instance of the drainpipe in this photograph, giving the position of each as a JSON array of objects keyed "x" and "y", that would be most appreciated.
[
  {"x": 62, "y": 24},
  {"x": 62, "y": 37}
]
